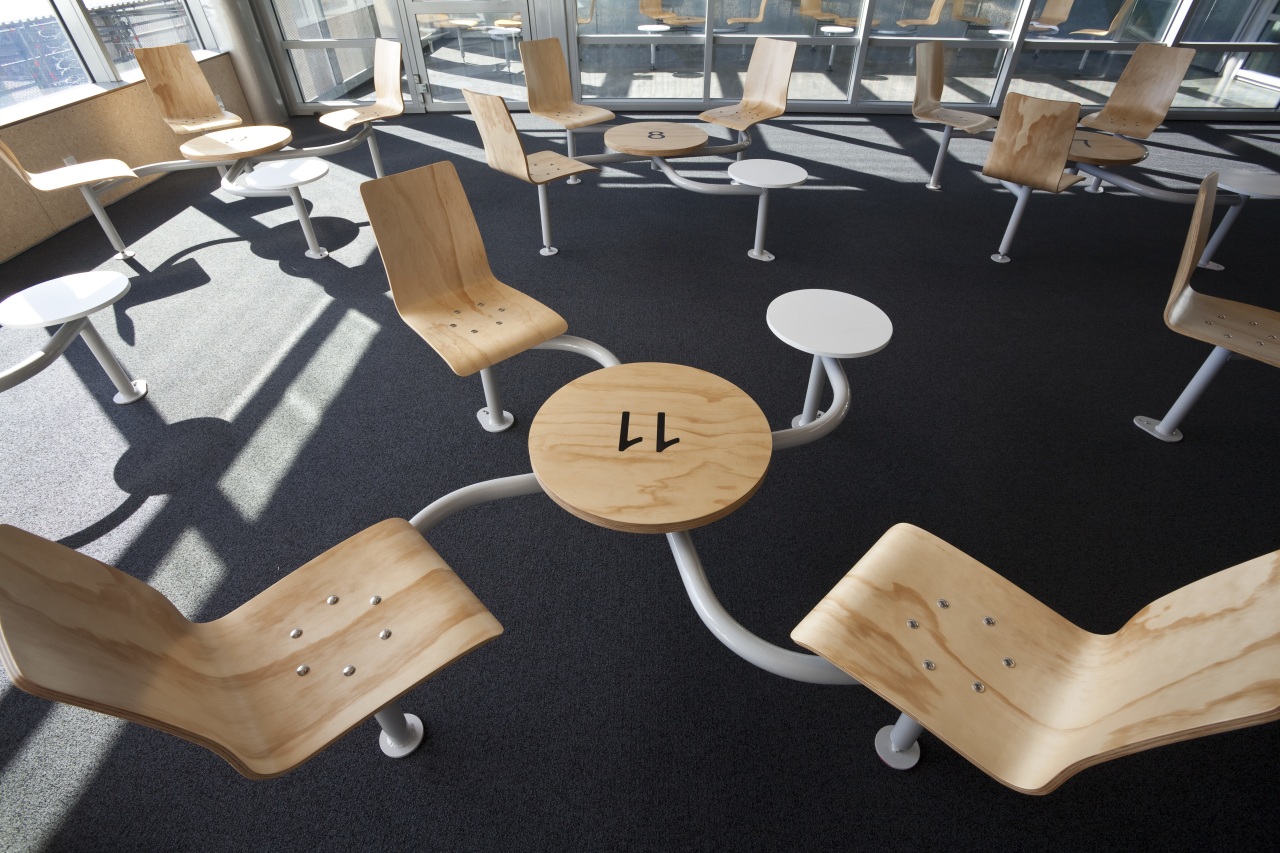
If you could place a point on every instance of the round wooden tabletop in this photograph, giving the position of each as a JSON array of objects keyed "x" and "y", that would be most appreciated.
[
  {"x": 235, "y": 143},
  {"x": 1100, "y": 149},
  {"x": 650, "y": 447},
  {"x": 62, "y": 299},
  {"x": 655, "y": 138}
]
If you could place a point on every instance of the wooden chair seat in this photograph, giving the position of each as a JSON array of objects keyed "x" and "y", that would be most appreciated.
[
  {"x": 78, "y": 631},
  {"x": 1142, "y": 96},
  {"x": 1024, "y": 694},
  {"x": 182, "y": 94},
  {"x": 654, "y": 9},
  {"x": 813, "y": 10},
  {"x": 764, "y": 91},
  {"x": 388, "y": 101},
  {"x": 547, "y": 166}
]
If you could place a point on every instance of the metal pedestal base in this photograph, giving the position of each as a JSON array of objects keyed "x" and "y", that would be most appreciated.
[
  {"x": 413, "y": 735},
  {"x": 502, "y": 424},
  {"x": 1152, "y": 426},
  {"x": 903, "y": 760}
]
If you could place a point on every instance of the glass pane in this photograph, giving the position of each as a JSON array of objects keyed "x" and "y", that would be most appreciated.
[
  {"x": 36, "y": 57},
  {"x": 889, "y": 74},
  {"x": 126, "y": 24},
  {"x": 1231, "y": 81},
  {"x": 326, "y": 19},
  {"x": 1221, "y": 20},
  {"x": 333, "y": 74},
  {"x": 477, "y": 51}
]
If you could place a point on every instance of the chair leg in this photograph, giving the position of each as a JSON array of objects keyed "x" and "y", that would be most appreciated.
[
  {"x": 1024, "y": 195},
  {"x": 376, "y": 155},
  {"x": 762, "y": 217},
  {"x": 401, "y": 733},
  {"x": 942, "y": 154},
  {"x": 570, "y": 152},
  {"x": 1233, "y": 212},
  {"x": 544, "y": 212},
  {"x": 1167, "y": 428},
  {"x": 130, "y": 389},
  {"x": 492, "y": 417},
  {"x": 108, "y": 228},
  {"x": 898, "y": 745}
]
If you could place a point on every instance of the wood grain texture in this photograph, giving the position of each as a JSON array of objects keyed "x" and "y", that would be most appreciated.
[
  {"x": 182, "y": 94},
  {"x": 642, "y": 138},
  {"x": 1200, "y": 660},
  {"x": 934, "y": 16},
  {"x": 1100, "y": 149},
  {"x": 1245, "y": 329},
  {"x": 654, "y": 9},
  {"x": 75, "y": 175},
  {"x": 388, "y": 101},
  {"x": 927, "y": 103},
  {"x": 505, "y": 152},
  {"x": 1145, "y": 91},
  {"x": 236, "y": 143},
  {"x": 550, "y": 94},
  {"x": 759, "y": 16},
  {"x": 440, "y": 276},
  {"x": 1112, "y": 29},
  {"x": 718, "y": 463},
  {"x": 1032, "y": 142},
  {"x": 1053, "y": 13},
  {"x": 813, "y": 9},
  {"x": 764, "y": 92},
  {"x": 77, "y": 631}
]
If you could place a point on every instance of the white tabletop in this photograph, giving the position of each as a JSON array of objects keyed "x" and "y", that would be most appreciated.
[
  {"x": 1255, "y": 184},
  {"x": 769, "y": 174},
  {"x": 830, "y": 323},
  {"x": 282, "y": 174},
  {"x": 653, "y": 28},
  {"x": 835, "y": 30},
  {"x": 62, "y": 299}
]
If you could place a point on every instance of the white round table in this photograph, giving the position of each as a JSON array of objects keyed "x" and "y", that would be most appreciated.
[
  {"x": 766, "y": 174},
  {"x": 72, "y": 298},
  {"x": 283, "y": 177},
  {"x": 830, "y": 324},
  {"x": 506, "y": 35},
  {"x": 1247, "y": 184},
  {"x": 834, "y": 30},
  {"x": 654, "y": 30}
]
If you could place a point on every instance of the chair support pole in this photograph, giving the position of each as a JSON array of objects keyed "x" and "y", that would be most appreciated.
[
  {"x": 784, "y": 439},
  {"x": 1023, "y": 195},
  {"x": 128, "y": 388},
  {"x": 811, "y": 394},
  {"x": 934, "y": 179},
  {"x": 108, "y": 227},
  {"x": 401, "y": 733},
  {"x": 898, "y": 745},
  {"x": 582, "y": 346},
  {"x": 569, "y": 151},
  {"x": 762, "y": 218},
  {"x": 1167, "y": 428},
  {"x": 544, "y": 213},
  {"x": 376, "y": 155},
  {"x": 492, "y": 417},
  {"x": 1215, "y": 240},
  {"x": 314, "y": 249},
  {"x": 42, "y": 358},
  {"x": 798, "y": 666}
]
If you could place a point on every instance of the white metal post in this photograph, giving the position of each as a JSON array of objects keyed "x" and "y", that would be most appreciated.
[
  {"x": 128, "y": 388},
  {"x": 762, "y": 216},
  {"x": 1023, "y": 195},
  {"x": 492, "y": 417},
  {"x": 1167, "y": 428},
  {"x": 376, "y": 155},
  {"x": 1206, "y": 259},
  {"x": 401, "y": 733},
  {"x": 543, "y": 204},
  {"x": 570, "y": 151},
  {"x": 898, "y": 745},
  {"x": 315, "y": 250},
  {"x": 942, "y": 155}
]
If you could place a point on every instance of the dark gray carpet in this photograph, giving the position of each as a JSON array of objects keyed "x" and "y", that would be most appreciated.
[{"x": 290, "y": 408}]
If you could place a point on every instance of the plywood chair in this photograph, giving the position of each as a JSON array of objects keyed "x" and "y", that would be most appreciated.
[
  {"x": 181, "y": 92},
  {"x": 1145, "y": 91},
  {"x": 930, "y": 20},
  {"x": 1231, "y": 327},
  {"x": 266, "y": 686},
  {"x": 444, "y": 289},
  {"x": 505, "y": 153},
  {"x": 87, "y": 178},
  {"x": 1051, "y": 17},
  {"x": 654, "y": 9},
  {"x": 764, "y": 91},
  {"x": 551, "y": 95},
  {"x": 812, "y": 9},
  {"x": 1029, "y": 152},
  {"x": 927, "y": 104},
  {"x": 388, "y": 101},
  {"x": 1028, "y": 697},
  {"x": 743, "y": 21},
  {"x": 1112, "y": 30}
]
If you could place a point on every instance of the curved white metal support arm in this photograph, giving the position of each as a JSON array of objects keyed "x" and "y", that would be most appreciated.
[
  {"x": 828, "y": 420},
  {"x": 1157, "y": 193},
  {"x": 699, "y": 187},
  {"x": 474, "y": 495},
  {"x": 743, "y": 143},
  {"x": 582, "y": 346},
  {"x": 43, "y": 357},
  {"x": 238, "y": 166},
  {"x": 798, "y": 666}
]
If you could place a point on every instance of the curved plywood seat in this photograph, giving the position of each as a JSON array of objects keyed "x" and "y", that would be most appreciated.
[
  {"x": 388, "y": 101},
  {"x": 764, "y": 92},
  {"x": 1027, "y": 696},
  {"x": 263, "y": 686},
  {"x": 550, "y": 93},
  {"x": 182, "y": 94},
  {"x": 1142, "y": 96}
]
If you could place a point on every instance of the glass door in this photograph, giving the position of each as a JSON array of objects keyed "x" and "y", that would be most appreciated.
[
  {"x": 1264, "y": 68},
  {"x": 466, "y": 44}
]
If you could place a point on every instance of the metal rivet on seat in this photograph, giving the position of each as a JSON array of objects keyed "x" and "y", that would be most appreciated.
[
  {"x": 333, "y": 599},
  {"x": 499, "y": 322},
  {"x": 473, "y": 331},
  {"x": 303, "y": 670},
  {"x": 987, "y": 620},
  {"x": 1009, "y": 662},
  {"x": 943, "y": 603},
  {"x": 296, "y": 633},
  {"x": 348, "y": 670},
  {"x": 385, "y": 635},
  {"x": 457, "y": 311},
  {"x": 1222, "y": 316},
  {"x": 1208, "y": 322},
  {"x": 377, "y": 599},
  {"x": 1226, "y": 336},
  {"x": 453, "y": 325},
  {"x": 1253, "y": 322},
  {"x": 979, "y": 687},
  {"x": 502, "y": 309},
  {"x": 480, "y": 304},
  {"x": 930, "y": 665},
  {"x": 911, "y": 623}
]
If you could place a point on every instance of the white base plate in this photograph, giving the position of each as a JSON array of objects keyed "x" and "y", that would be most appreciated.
[
  {"x": 508, "y": 420},
  {"x": 139, "y": 391},
  {"x": 1149, "y": 425},
  {"x": 416, "y": 733},
  {"x": 897, "y": 760}
]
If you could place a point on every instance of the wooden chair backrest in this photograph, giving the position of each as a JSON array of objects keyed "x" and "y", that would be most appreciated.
[
  {"x": 591, "y": 13},
  {"x": 546, "y": 74},
  {"x": 1054, "y": 12},
  {"x": 929, "y": 77},
  {"x": 178, "y": 85},
  {"x": 769, "y": 75},
  {"x": 1193, "y": 248},
  {"x": 1054, "y": 698},
  {"x": 653, "y": 9},
  {"x": 11, "y": 159},
  {"x": 1117, "y": 23},
  {"x": 428, "y": 236},
  {"x": 935, "y": 12},
  {"x": 386, "y": 76},
  {"x": 1032, "y": 142},
  {"x": 1146, "y": 88},
  {"x": 758, "y": 17},
  {"x": 502, "y": 146}
]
